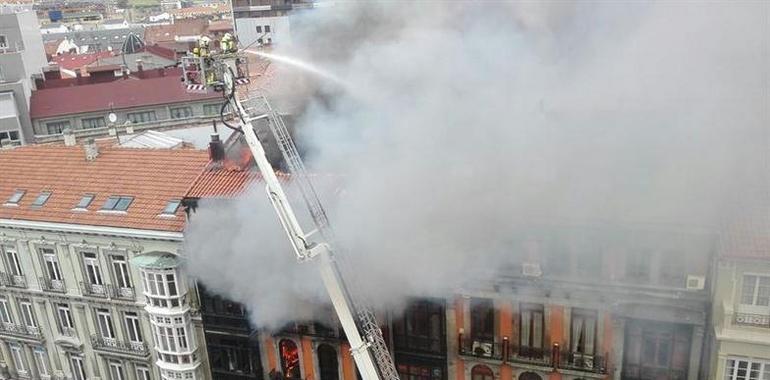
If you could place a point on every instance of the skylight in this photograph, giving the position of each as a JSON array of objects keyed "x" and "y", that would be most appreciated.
[
  {"x": 41, "y": 198},
  {"x": 117, "y": 203},
  {"x": 85, "y": 201},
  {"x": 16, "y": 197},
  {"x": 171, "y": 207}
]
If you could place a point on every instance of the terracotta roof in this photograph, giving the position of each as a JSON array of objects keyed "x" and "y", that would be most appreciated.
[
  {"x": 121, "y": 94},
  {"x": 200, "y": 10},
  {"x": 222, "y": 182},
  {"x": 220, "y": 26},
  {"x": 52, "y": 46},
  {"x": 70, "y": 61},
  {"x": 166, "y": 33},
  {"x": 151, "y": 176},
  {"x": 160, "y": 51}
]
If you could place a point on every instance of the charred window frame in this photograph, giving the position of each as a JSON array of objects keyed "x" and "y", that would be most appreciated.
[
  {"x": 656, "y": 348},
  {"x": 422, "y": 327},
  {"x": 482, "y": 319}
]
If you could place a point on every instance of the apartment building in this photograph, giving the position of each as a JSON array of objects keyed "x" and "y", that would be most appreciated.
[
  {"x": 144, "y": 99},
  {"x": 740, "y": 323},
  {"x": 590, "y": 301},
  {"x": 89, "y": 283},
  {"x": 266, "y": 21},
  {"x": 21, "y": 56}
]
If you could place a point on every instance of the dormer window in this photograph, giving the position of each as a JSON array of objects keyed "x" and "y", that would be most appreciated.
[
  {"x": 85, "y": 201},
  {"x": 117, "y": 203},
  {"x": 41, "y": 199},
  {"x": 171, "y": 207},
  {"x": 16, "y": 197}
]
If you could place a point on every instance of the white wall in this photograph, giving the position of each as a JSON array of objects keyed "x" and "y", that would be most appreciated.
[{"x": 280, "y": 30}]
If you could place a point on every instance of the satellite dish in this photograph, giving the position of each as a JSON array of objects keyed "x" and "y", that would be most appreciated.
[{"x": 112, "y": 117}]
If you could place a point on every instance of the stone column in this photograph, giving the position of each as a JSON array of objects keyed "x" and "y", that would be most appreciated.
[{"x": 695, "y": 352}]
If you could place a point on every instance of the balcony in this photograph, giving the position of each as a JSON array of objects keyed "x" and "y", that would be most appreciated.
[
  {"x": 52, "y": 285},
  {"x": 21, "y": 330},
  {"x": 13, "y": 281},
  {"x": 550, "y": 358},
  {"x": 637, "y": 372},
  {"x": 119, "y": 346},
  {"x": 757, "y": 320},
  {"x": 420, "y": 344},
  {"x": 315, "y": 330},
  {"x": 107, "y": 291}
]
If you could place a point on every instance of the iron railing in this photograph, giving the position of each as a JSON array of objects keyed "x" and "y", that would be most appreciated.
[
  {"x": 747, "y": 319},
  {"x": 114, "y": 345},
  {"x": 13, "y": 281},
  {"x": 52, "y": 285},
  {"x": 548, "y": 357},
  {"x": 638, "y": 372},
  {"x": 107, "y": 291},
  {"x": 20, "y": 330},
  {"x": 414, "y": 343}
]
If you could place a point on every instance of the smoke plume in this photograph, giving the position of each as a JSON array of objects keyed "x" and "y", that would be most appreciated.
[{"x": 464, "y": 124}]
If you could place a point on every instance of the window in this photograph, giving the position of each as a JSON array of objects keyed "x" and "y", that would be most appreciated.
[
  {"x": 583, "y": 331},
  {"x": 289, "y": 359},
  {"x": 104, "y": 319},
  {"x": 93, "y": 272},
  {"x": 531, "y": 329},
  {"x": 93, "y": 122},
  {"x": 171, "y": 207},
  {"x": 65, "y": 317},
  {"x": 482, "y": 372},
  {"x": 755, "y": 290},
  {"x": 85, "y": 201},
  {"x": 41, "y": 361},
  {"x": 259, "y": 28},
  {"x": 117, "y": 203},
  {"x": 654, "y": 347},
  {"x": 413, "y": 371},
  {"x": 78, "y": 368},
  {"x": 41, "y": 198},
  {"x": 56, "y": 127},
  {"x": 267, "y": 28},
  {"x": 16, "y": 197},
  {"x": 13, "y": 262},
  {"x": 181, "y": 338},
  {"x": 181, "y": 112},
  {"x": 116, "y": 371},
  {"x": 8, "y": 138},
  {"x": 211, "y": 109},
  {"x": 746, "y": 369},
  {"x": 327, "y": 362},
  {"x": 133, "y": 328},
  {"x": 5, "y": 312},
  {"x": 122, "y": 274},
  {"x": 28, "y": 316},
  {"x": 142, "y": 117},
  {"x": 3, "y": 41},
  {"x": 422, "y": 327},
  {"x": 142, "y": 373},
  {"x": 482, "y": 319},
  {"x": 18, "y": 358},
  {"x": 51, "y": 264}
]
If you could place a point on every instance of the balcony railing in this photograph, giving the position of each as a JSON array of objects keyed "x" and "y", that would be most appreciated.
[
  {"x": 415, "y": 343},
  {"x": 20, "y": 330},
  {"x": 746, "y": 319},
  {"x": 52, "y": 285},
  {"x": 637, "y": 372},
  {"x": 481, "y": 348},
  {"x": 114, "y": 345},
  {"x": 552, "y": 357},
  {"x": 235, "y": 322},
  {"x": 107, "y": 291},
  {"x": 14, "y": 281},
  {"x": 315, "y": 330},
  {"x": 68, "y": 332}
]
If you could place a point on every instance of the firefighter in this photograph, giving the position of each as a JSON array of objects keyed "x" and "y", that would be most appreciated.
[
  {"x": 196, "y": 52},
  {"x": 204, "y": 44},
  {"x": 228, "y": 44}
]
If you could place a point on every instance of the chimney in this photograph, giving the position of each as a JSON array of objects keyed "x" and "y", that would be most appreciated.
[
  {"x": 69, "y": 137},
  {"x": 139, "y": 65},
  {"x": 216, "y": 148},
  {"x": 92, "y": 151}
]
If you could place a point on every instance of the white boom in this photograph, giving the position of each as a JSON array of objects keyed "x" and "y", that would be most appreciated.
[{"x": 367, "y": 344}]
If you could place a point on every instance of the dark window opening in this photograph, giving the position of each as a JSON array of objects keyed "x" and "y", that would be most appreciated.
[
  {"x": 656, "y": 351},
  {"x": 421, "y": 328},
  {"x": 482, "y": 319},
  {"x": 327, "y": 362},
  {"x": 482, "y": 372}
]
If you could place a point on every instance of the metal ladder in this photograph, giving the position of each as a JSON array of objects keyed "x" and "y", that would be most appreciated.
[{"x": 367, "y": 322}]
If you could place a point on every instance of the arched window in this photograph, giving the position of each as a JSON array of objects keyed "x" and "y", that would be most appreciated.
[
  {"x": 289, "y": 359},
  {"x": 482, "y": 372},
  {"x": 327, "y": 362},
  {"x": 530, "y": 376}
]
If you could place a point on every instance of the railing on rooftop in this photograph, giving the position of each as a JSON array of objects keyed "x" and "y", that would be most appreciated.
[{"x": 747, "y": 319}]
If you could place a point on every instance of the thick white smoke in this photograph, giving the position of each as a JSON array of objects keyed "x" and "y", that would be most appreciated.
[{"x": 467, "y": 121}]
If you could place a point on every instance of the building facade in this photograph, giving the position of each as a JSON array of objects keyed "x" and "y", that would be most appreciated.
[
  {"x": 266, "y": 21},
  {"x": 79, "y": 295},
  {"x": 21, "y": 56}
]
